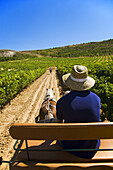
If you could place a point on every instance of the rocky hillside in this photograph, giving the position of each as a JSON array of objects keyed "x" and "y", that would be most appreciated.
[{"x": 7, "y": 53}]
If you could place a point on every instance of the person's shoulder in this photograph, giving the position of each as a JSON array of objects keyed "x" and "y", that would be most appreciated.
[
  {"x": 94, "y": 95},
  {"x": 63, "y": 98}
]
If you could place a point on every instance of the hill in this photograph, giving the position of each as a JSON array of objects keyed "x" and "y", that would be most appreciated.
[
  {"x": 7, "y": 53},
  {"x": 90, "y": 49}
]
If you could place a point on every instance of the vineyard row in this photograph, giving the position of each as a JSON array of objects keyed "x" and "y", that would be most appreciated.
[{"x": 16, "y": 75}]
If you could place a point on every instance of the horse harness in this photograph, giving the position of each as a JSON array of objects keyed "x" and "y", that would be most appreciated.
[{"x": 48, "y": 104}]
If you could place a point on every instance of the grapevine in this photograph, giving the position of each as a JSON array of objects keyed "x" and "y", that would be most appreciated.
[{"x": 16, "y": 75}]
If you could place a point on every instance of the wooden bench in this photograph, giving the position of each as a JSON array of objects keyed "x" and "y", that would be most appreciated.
[{"x": 40, "y": 138}]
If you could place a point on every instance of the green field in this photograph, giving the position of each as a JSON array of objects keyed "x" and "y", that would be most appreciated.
[{"x": 15, "y": 75}]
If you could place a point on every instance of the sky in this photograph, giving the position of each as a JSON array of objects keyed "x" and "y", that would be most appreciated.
[{"x": 42, "y": 24}]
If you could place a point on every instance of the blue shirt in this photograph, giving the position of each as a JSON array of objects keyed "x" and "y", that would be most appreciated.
[{"x": 79, "y": 107}]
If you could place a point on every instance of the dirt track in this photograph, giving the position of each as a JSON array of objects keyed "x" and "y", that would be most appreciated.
[{"x": 24, "y": 108}]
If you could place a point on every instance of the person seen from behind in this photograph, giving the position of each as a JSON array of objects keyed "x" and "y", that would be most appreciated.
[
  {"x": 80, "y": 105},
  {"x": 50, "y": 69}
]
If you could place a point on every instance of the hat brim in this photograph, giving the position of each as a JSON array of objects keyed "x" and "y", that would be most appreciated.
[{"x": 78, "y": 86}]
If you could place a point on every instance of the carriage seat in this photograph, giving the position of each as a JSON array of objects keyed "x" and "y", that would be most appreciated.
[{"x": 45, "y": 136}]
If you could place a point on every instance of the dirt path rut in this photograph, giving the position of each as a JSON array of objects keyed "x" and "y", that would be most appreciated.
[{"x": 24, "y": 108}]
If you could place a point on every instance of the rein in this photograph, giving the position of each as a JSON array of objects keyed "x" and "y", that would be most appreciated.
[
  {"x": 48, "y": 108},
  {"x": 48, "y": 104}
]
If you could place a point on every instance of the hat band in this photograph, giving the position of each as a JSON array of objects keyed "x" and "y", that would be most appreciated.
[{"x": 78, "y": 80}]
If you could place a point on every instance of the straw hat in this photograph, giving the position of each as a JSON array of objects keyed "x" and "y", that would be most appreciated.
[{"x": 78, "y": 79}]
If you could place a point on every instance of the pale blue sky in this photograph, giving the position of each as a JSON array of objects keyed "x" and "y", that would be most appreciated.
[{"x": 41, "y": 24}]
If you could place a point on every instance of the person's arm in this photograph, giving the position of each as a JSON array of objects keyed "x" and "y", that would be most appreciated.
[{"x": 59, "y": 113}]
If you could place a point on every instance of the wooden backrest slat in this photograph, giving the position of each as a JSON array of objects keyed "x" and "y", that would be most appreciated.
[{"x": 62, "y": 131}]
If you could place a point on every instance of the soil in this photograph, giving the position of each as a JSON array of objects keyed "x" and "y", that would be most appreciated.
[{"x": 24, "y": 108}]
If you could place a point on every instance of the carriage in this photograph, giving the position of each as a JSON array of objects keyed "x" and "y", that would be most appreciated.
[{"x": 37, "y": 147}]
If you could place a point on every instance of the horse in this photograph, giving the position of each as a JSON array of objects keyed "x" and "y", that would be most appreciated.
[{"x": 48, "y": 107}]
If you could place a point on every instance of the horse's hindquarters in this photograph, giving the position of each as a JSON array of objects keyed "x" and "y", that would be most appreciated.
[{"x": 48, "y": 108}]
